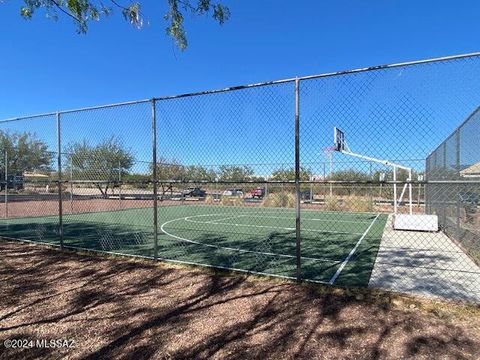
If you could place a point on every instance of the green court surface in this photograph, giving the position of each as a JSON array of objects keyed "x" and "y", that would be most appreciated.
[{"x": 337, "y": 247}]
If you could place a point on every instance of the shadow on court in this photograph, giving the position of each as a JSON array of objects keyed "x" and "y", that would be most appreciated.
[{"x": 271, "y": 252}]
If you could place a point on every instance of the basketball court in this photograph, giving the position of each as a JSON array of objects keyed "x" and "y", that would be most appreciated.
[{"x": 337, "y": 248}]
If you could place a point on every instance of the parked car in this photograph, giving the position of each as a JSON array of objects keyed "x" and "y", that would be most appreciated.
[
  {"x": 14, "y": 182},
  {"x": 258, "y": 192},
  {"x": 233, "y": 192},
  {"x": 193, "y": 192}
]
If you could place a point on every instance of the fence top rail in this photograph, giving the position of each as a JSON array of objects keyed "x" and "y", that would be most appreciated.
[
  {"x": 106, "y": 106},
  {"x": 323, "y": 75},
  {"x": 254, "y": 85},
  {"x": 459, "y": 127}
]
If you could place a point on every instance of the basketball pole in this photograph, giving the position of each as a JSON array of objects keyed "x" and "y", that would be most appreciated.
[
  {"x": 330, "y": 154},
  {"x": 342, "y": 147},
  {"x": 395, "y": 167},
  {"x": 395, "y": 190}
]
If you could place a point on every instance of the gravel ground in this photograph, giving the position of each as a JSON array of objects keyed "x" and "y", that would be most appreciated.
[{"x": 115, "y": 307}]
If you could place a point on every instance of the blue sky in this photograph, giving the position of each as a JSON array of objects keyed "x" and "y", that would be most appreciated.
[{"x": 45, "y": 66}]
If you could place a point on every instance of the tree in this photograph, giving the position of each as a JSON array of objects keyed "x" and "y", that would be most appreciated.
[
  {"x": 168, "y": 170},
  {"x": 84, "y": 11},
  {"x": 289, "y": 174},
  {"x": 171, "y": 171},
  {"x": 101, "y": 163},
  {"x": 282, "y": 174},
  {"x": 199, "y": 173},
  {"x": 235, "y": 173},
  {"x": 349, "y": 175},
  {"x": 402, "y": 175},
  {"x": 25, "y": 152}
]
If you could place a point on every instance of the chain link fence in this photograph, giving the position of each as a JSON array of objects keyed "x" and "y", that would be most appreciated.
[
  {"x": 255, "y": 178},
  {"x": 453, "y": 170}
]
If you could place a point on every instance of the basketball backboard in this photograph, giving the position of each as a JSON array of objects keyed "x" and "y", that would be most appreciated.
[{"x": 338, "y": 139}]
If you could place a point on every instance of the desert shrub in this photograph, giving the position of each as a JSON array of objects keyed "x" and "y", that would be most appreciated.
[
  {"x": 231, "y": 201},
  {"x": 331, "y": 203},
  {"x": 280, "y": 200},
  {"x": 209, "y": 200},
  {"x": 53, "y": 188},
  {"x": 358, "y": 203}
]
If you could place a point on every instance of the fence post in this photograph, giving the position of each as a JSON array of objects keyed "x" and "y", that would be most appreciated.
[
  {"x": 444, "y": 189},
  {"x": 297, "y": 179},
  {"x": 457, "y": 187},
  {"x": 6, "y": 183},
  {"x": 59, "y": 168},
  {"x": 154, "y": 180},
  {"x": 426, "y": 185}
]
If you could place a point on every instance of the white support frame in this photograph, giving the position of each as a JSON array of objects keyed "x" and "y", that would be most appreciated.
[{"x": 345, "y": 150}]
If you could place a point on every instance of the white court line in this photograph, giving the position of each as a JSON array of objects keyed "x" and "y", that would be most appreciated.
[
  {"x": 270, "y": 227},
  {"x": 339, "y": 270},
  {"x": 227, "y": 218},
  {"x": 229, "y": 248},
  {"x": 314, "y": 219},
  {"x": 283, "y": 209}
]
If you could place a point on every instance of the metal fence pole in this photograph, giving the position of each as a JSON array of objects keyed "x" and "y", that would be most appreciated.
[
  {"x": 119, "y": 185},
  {"x": 59, "y": 168},
  {"x": 426, "y": 186},
  {"x": 71, "y": 184},
  {"x": 324, "y": 186},
  {"x": 457, "y": 188},
  {"x": 297, "y": 178},
  {"x": 444, "y": 188},
  {"x": 154, "y": 180},
  {"x": 6, "y": 183}
]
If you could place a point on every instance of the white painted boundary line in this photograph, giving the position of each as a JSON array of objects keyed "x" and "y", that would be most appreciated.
[
  {"x": 290, "y": 228},
  {"x": 347, "y": 259},
  {"x": 267, "y": 226},
  {"x": 281, "y": 209},
  {"x": 221, "y": 219},
  {"x": 313, "y": 219},
  {"x": 229, "y": 248}
]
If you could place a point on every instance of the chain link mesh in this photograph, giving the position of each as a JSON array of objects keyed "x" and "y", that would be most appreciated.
[{"x": 394, "y": 207}]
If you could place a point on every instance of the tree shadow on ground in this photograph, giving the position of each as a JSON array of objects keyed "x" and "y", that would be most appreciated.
[{"x": 131, "y": 309}]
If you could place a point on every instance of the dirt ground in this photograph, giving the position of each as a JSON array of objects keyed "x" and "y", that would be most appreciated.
[
  {"x": 113, "y": 307},
  {"x": 21, "y": 209},
  {"x": 25, "y": 208}
]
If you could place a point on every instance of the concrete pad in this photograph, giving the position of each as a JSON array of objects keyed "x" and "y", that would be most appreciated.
[
  {"x": 424, "y": 263},
  {"x": 416, "y": 222}
]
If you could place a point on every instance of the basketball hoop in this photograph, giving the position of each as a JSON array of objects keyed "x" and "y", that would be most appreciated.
[{"x": 327, "y": 150}]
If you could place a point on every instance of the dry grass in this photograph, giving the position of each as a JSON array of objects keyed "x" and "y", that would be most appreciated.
[
  {"x": 281, "y": 199},
  {"x": 331, "y": 203},
  {"x": 137, "y": 309},
  {"x": 231, "y": 201},
  {"x": 358, "y": 203},
  {"x": 209, "y": 200}
]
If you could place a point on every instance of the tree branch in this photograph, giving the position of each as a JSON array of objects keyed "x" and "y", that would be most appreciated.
[
  {"x": 66, "y": 12},
  {"x": 118, "y": 5}
]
